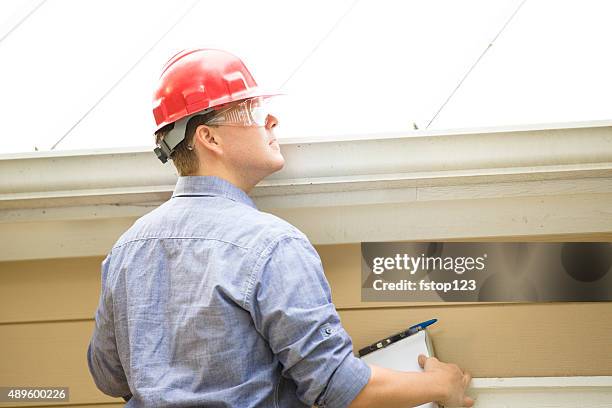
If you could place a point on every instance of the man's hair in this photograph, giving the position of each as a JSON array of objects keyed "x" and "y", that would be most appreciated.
[{"x": 185, "y": 160}]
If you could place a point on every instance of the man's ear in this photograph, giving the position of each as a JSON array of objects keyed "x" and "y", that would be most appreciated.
[{"x": 207, "y": 138}]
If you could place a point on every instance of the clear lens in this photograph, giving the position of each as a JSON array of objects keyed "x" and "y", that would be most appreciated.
[
  {"x": 259, "y": 114},
  {"x": 250, "y": 112}
]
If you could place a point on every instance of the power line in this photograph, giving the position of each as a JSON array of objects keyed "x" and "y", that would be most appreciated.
[
  {"x": 475, "y": 63},
  {"x": 321, "y": 41},
  {"x": 24, "y": 18},
  {"x": 181, "y": 17}
]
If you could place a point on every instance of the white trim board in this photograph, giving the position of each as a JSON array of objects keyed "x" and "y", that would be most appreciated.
[
  {"x": 329, "y": 164},
  {"x": 417, "y": 186},
  {"x": 542, "y": 392}
]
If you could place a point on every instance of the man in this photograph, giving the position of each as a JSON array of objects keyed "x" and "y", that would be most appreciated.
[{"x": 207, "y": 301}]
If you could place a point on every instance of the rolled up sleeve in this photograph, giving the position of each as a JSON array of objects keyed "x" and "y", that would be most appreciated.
[
  {"x": 290, "y": 303},
  {"x": 102, "y": 356}
]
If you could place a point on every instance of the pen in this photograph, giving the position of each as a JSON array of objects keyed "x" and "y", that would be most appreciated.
[
  {"x": 401, "y": 335},
  {"x": 420, "y": 326}
]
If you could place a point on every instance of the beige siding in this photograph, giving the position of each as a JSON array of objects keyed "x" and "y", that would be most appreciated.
[
  {"x": 54, "y": 289},
  {"x": 47, "y": 308},
  {"x": 507, "y": 340},
  {"x": 49, "y": 355}
]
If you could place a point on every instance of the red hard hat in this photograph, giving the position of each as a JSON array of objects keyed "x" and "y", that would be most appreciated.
[{"x": 198, "y": 79}]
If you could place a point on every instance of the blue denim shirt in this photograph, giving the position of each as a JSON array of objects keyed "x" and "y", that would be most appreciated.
[{"x": 206, "y": 301}]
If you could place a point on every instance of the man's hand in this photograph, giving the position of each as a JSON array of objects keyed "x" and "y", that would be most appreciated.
[{"x": 452, "y": 380}]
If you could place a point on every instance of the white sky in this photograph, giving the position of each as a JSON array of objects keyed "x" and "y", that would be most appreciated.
[{"x": 386, "y": 65}]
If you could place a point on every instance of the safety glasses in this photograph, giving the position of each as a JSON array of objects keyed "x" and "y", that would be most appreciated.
[{"x": 250, "y": 112}]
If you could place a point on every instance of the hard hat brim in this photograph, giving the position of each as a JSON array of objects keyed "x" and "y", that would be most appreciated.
[{"x": 255, "y": 93}]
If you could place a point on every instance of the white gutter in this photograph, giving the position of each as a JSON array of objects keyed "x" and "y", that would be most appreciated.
[
  {"x": 328, "y": 186},
  {"x": 542, "y": 392},
  {"x": 311, "y": 165}
]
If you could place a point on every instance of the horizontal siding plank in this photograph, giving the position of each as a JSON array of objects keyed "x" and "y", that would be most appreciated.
[
  {"x": 49, "y": 355},
  {"x": 52, "y": 289},
  {"x": 342, "y": 265},
  {"x": 30, "y": 291},
  {"x": 505, "y": 340}
]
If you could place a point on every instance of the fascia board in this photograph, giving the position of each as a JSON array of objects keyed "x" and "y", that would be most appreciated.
[
  {"x": 532, "y": 183},
  {"x": 357, "y": 163}
]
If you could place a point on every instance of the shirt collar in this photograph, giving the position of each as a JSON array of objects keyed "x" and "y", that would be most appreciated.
[{"x": 210, "y": 186}]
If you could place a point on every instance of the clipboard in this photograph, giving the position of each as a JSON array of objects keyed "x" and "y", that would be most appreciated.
[{"x": 400, "y": 352}]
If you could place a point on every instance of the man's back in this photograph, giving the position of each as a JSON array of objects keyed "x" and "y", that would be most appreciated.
[{"x": 208, "y": 301}]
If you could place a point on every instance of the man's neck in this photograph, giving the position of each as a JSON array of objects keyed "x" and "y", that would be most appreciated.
[{"x": 240, "y": 182}]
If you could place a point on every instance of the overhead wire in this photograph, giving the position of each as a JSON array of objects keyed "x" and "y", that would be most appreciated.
[
  {"x": 178, "y": 20},
  {"x": 22, "y": 20},
  {"x": 319, "y": 43},
  {"x": 475, "y": 63}
]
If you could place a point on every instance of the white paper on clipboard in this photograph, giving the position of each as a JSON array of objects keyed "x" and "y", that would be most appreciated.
[{"x": 403, "y": 355}]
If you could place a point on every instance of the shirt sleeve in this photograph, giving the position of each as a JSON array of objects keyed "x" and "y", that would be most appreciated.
[
  {"x": 290, "y": 302},
  {"x": 102, "y": 356}
]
